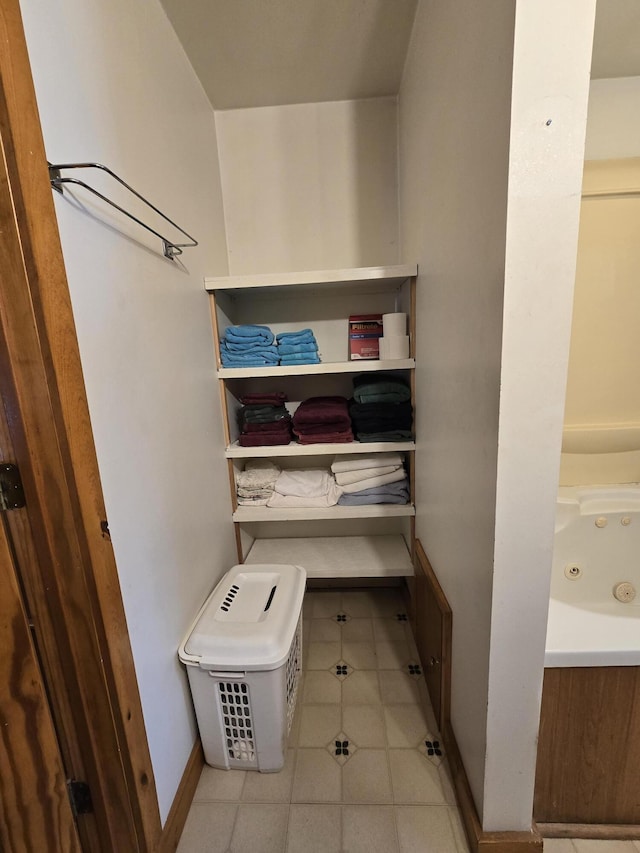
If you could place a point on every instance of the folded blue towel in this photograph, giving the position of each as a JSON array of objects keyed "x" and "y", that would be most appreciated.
[
  {"x": 292, "y": 342},
  {"x": 250, "y": 362},
  {"x": 292, "y": 349},
  {"x": 238, "y": 359},
  {"x": 255, "y": 362},
  {"x": 301, "y": 358},
  {"x": 300, "y": 337},
  {"x": 400, "y": 489},
  {"x": 249, "y": 331},
  {"x": 248, "y": 334},
  {"x": 362, "y": 500},
  {"x": 250, "y": 347}
]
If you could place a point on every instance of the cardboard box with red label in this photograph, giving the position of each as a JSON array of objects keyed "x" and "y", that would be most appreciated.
[{"x": 365, "y": 331}]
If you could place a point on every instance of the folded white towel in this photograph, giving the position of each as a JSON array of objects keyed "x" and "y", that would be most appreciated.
[
  {"x": 382, "y": 480},
  {"x": 299, "y": 501},
  {"x": 252, "y": 501},
  {"x": 258, "y": 474},
  {"x": 254, "y": 493},
  {"x": 355, "y": 462},
  {"x": 304, "y": 482},
  {"x": 345, "y": 478}
]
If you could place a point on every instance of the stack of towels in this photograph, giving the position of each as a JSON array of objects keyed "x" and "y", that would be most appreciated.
[
  {"x": 254, "y": 485},
  {"x": 381, "y": 408},
  {"x": 298, "y": 347},
  {"x": 323, "y": 420},
  {"x": 264, "y": 419},
  {"x": 248, "y": 346},
  {"x": 379, "y": 479},
  {"x": 312, "y": 487}
]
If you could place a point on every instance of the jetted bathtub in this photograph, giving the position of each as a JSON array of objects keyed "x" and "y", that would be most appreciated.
[
  {"x": 594, "y": 611},
  {"x": 588, "y": 770}
]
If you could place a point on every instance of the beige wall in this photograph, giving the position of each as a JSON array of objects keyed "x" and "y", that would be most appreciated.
[
  {"x": 602, "y": 415},
  {"x": 454, "y": 114},
  {"x": 602, "y": 424},
  {"x": 489, "y": 208},
  {"x": 613, "y": 127},
  {"x": 114, "y": 86},
  {"x": 310, "y": 186},
  {"x": 605, "y": 344}
]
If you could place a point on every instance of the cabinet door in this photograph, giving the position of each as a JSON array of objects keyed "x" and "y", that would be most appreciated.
[{"x": 433, "y": 635}]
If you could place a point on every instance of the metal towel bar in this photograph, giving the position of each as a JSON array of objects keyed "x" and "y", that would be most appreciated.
[{"x": 169, "y": 248}]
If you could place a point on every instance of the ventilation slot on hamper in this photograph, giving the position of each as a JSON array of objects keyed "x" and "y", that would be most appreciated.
[
  {"x": 236, "y": 712},
  {"x": 228, "y": 600},
  {"x": 294, "y": 665}
]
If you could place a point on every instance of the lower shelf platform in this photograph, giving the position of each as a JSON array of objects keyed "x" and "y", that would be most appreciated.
[
  {"x": 337, "y": 556},
  {"x": 267, "y": 513}
]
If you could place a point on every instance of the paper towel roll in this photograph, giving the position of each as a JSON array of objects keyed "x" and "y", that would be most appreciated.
[
  {"x": 395, "y": 346},
  {"x": 394, "y": 324}
]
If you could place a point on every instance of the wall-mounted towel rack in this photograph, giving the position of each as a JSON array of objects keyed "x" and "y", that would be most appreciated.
[{"x": 169, "y": 248}]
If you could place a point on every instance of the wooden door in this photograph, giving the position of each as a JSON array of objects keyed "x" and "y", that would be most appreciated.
[
  {"x": 35, "y": 812},
  {"x": 63, "y": 560}
]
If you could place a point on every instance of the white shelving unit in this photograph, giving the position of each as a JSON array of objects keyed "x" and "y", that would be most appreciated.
[{"x": 362, "y": 541}]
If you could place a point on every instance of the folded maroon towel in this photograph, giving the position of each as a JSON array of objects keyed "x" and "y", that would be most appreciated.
[
  {"x": 273, "y": 398},
  {"x": 322, "y": 410},
  {"x": 326, "y": 438},
  {"x": 283, "y": 425},
  {"x": 261, "y": 439},
  {"x": 319, "y": 429}
]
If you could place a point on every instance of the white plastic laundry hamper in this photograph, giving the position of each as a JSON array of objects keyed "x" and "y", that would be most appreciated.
[{"x": 243, "y": 655}]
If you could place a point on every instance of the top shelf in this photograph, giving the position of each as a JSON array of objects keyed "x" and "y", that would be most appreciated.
[{"x": 390, "y": 276}]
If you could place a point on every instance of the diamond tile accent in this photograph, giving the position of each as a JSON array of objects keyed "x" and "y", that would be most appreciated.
[
  {"x": 432, "y": 749},
  {"x": 342, "y": 748},
  {"x": 342, "y": 670}
]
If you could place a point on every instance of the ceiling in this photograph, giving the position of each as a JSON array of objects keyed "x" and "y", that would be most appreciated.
[{"x": 254, "y": 53}]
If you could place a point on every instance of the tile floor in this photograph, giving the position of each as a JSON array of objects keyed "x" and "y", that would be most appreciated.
[{"x": 365, "y": 770}]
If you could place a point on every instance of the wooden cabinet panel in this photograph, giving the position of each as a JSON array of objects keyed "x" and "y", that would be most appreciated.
[
  {"x": 433, "y": 634},
  {"x": 588, "y": 767}
]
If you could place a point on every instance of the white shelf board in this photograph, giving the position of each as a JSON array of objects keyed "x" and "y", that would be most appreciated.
[
  {"x": 391, "y": 274},
  {"x": 365, "y": 366},
  {"x": 337, "y": 556},
  {"x": 235, "y": 451},
  {"x": 268, "y": 513}
]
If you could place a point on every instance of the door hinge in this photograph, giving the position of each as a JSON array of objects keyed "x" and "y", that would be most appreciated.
[
  {"x": 79, "y": 797},
  {"x": 11, "y": 491}
]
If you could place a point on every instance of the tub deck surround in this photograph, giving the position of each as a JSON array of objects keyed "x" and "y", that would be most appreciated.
[
  {"x": 597, "y": 542},
  {"x": 588, "y": 769}
]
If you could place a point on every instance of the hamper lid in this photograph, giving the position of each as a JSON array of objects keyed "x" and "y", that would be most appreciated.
[{"x": 249, "y": 620}]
